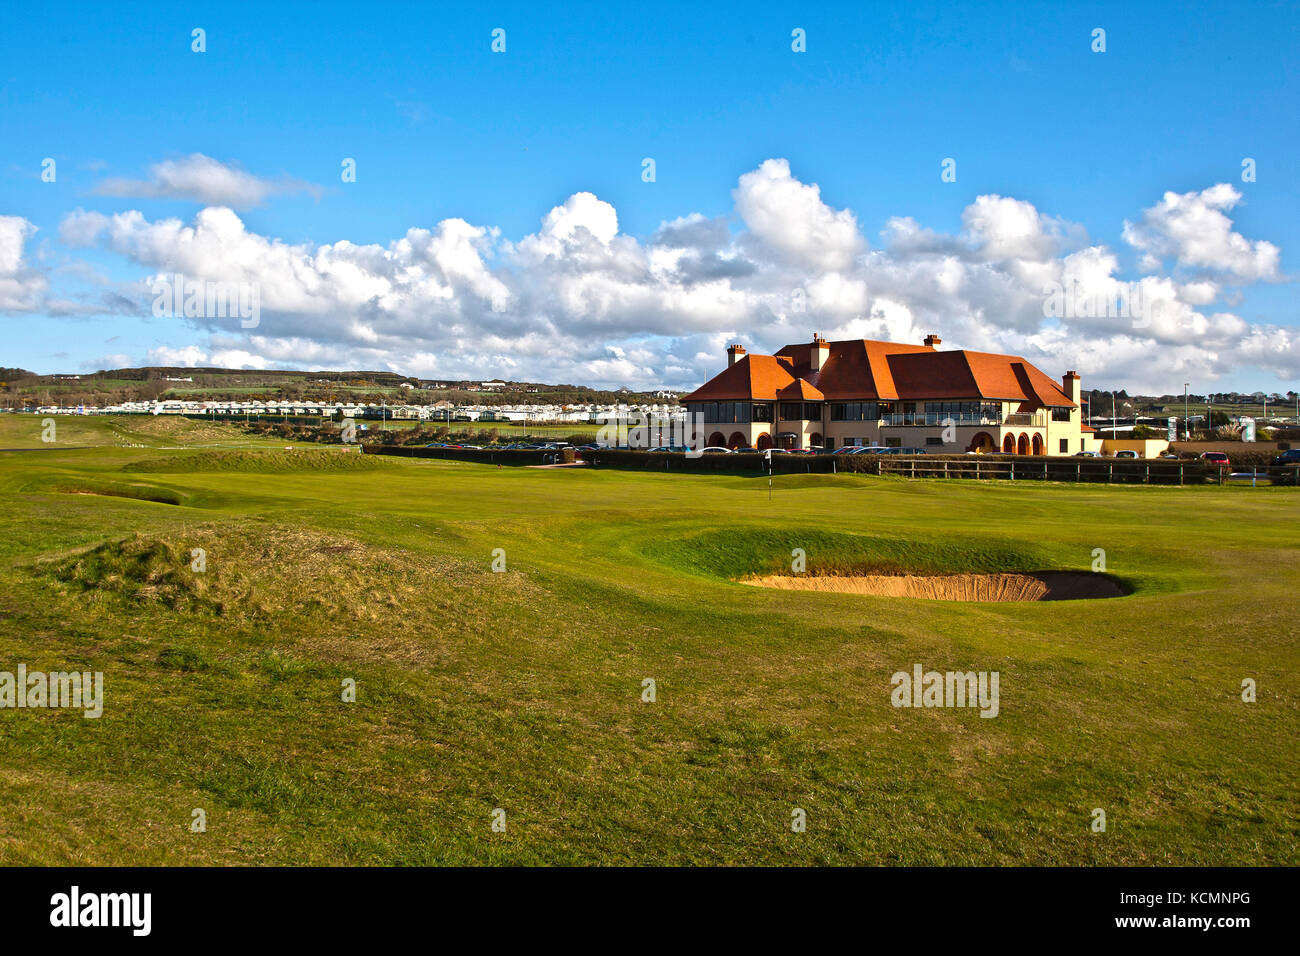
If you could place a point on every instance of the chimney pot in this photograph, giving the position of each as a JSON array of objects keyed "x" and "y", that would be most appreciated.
[
  {"x": 819, "y": 353},
  {"x": 932, "y": 340}
]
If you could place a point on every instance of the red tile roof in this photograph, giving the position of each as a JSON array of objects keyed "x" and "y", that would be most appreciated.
[
  {"x": 856, "y": 368},
  {"x": 866, "y": 369},
  {"x": 801, "y": 390},
  {"x": 757, "y": 377}
]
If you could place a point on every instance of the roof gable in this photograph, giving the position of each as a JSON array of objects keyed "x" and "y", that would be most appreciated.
[
  {"x": 801, "y": 390},
  {"x": 757, "y": 377}
]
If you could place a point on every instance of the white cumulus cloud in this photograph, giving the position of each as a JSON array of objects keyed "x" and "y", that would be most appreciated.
[
  {"x": 580, "y": 301},
  {"x": 22, "y": 288},
  {"x": 1194, "y": 230},
  {"x": 202, "y": 179}
]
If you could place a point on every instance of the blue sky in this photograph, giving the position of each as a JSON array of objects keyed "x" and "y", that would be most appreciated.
[{"x": 442, "y": 128}]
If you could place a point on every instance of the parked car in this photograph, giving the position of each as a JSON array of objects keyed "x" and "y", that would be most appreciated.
[
  {"x": 1289, "y": 457},
  {"x": 715, "y": 450},
  {"x": 1169, "y": 455},
  {"x": 1126, "y": 454},
  {"x": 745, "y": 450},
  {"x": 1216, "y": 458},
  {"x": 871, "y": 450},
  {"x": 1087, "y": 454}
]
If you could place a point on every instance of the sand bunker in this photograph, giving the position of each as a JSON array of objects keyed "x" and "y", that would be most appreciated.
[{"x": 1037, "y": 586}]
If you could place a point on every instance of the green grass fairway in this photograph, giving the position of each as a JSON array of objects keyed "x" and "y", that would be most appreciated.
[{"x": 522, "y": 690}]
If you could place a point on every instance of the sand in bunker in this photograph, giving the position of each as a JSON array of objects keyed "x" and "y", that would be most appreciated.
[{"x": 1038, "y": 586}]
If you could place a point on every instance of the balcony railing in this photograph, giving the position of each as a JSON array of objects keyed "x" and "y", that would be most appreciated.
[
  {"x": 1031, "y": 419},
  {"x": 935, "y": 419}
]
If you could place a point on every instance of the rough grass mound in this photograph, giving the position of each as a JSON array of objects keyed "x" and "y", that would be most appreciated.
[
  {"x": 269, "y": 461},
  {"x": 177, "y": 428},
  {"x": 258, "y": 572}
]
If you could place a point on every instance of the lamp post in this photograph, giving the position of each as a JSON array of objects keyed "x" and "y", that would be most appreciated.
[
  {"x": 1186, "y": 425},
  {"x": 1114, "y": 420}
]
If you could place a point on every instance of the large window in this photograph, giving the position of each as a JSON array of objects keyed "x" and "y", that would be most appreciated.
[
  {"x": 708, "y": 411},
  {"x": 730, "y": 412},
  {"x": 733, "y": 412},
  {"x": 1060, "y": 414},
  {"x": 855, "y": 411},
  {"x": 801, "y": 411},
  {"x": 936, "y": 413},
  {"x": 762, "y": 411}
]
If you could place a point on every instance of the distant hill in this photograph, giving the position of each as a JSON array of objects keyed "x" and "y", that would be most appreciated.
[{"x": 19, "y": 387}]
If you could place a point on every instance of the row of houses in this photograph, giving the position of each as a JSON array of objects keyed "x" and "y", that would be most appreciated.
[{"x": 582, "y": 414}]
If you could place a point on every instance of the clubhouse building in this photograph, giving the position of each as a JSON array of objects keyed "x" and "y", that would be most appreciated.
[{"x": 823, "y": 394}]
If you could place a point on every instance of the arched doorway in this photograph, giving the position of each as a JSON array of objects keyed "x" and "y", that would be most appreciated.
[
  {"x": 1009, "y": 445},
  {"x": 737, "y": 440},
  {"x": 764, "y": 442},
  {"x": 1022, "y": 446},
  {"x": 1038, "y": 444},
  {"x": 716, "y": 440},
  {"x": 982, "y": 443}
]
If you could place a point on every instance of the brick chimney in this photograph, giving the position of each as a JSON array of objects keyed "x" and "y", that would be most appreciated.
[
  {"x": 734, "y": 354},
  {"x": 1071, "y": 387},
  {"x": 820, "y": 352},
  {"x": 932, "y": 340}
]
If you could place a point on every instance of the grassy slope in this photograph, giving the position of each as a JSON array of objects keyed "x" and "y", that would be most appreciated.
[{"x": 522, "y": 690}]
